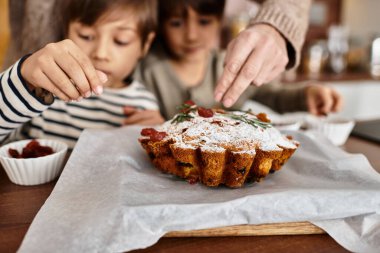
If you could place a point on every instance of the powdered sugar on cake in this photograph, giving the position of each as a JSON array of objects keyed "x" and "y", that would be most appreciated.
[{"x": 221, "y": 131}]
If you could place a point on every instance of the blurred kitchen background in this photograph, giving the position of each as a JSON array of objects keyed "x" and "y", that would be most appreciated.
[
  {"x": 342, "y": 48},
  {"x": 340, "y": 38}
]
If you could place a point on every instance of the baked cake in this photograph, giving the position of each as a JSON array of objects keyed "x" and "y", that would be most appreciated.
[{"x": 217, "y": 147}]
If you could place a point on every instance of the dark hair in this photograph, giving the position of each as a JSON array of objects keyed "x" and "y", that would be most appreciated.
[
  {"x": 169, "y": 8},
  {"x": 89, "y": 11}
]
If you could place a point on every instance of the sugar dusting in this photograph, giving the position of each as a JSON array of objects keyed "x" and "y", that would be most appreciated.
[{"x": 221, "y": 132}]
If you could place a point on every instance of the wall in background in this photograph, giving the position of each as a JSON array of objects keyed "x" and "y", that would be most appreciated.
[
  {"x": 4, "y": 29},
  {"x": 362, "y": 17}
]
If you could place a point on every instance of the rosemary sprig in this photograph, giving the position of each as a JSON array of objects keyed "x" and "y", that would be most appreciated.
[
  {"x": 253, "y": 122},
  {"x": 186, "y": 108},
  {"x": 181, "y": 117},
  {"x": 183, "y": 107}
]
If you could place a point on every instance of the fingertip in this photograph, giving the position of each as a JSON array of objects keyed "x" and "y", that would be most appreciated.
[
  {"x": 228, "y": 102},
  {"x": 218, "y": 96},
  {"x": 102, "y": 76},
  {"x": 98, "y": 90},
  {"x": 128, "y": 109}
]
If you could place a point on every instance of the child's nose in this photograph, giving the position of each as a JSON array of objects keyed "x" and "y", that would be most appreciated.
[
  {"x": 100, "y": 50},
  {"x": 192, "y": 31}
]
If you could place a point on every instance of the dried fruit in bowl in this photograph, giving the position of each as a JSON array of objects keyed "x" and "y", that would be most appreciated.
[{"x": 32, "y": 150}]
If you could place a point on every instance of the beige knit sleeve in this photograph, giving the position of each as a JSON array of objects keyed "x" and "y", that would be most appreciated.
[{"x": 290, "y": 18}]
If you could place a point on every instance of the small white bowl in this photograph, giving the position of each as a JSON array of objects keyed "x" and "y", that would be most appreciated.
[
  {"x": 335, "y": 128},
  {"x": 286, "y": 125},
  {"x": 33, "y": 171}
]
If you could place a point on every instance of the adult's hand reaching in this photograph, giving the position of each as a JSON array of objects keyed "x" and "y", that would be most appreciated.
[{"x": 256, "y": 56}]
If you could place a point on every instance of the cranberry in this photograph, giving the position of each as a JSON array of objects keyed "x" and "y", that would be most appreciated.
[
  {"x": 205, "y": 113},
  {"x": 14, "y": 153},
  {"x": 189, "y": 102},
  {"x": 32, "y": 150},
  {"x": 148, "y": 131},
  {"x": 158, "y": 136}
]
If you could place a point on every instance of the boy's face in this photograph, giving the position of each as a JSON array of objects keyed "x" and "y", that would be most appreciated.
[
  {"x": 193, "y": 37},
  {"x": 113, "y": 44}
]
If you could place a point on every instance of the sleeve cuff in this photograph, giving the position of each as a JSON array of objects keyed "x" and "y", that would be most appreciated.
[
  {"x": 41, "y": 95},
  {"x": 287, "y": 27}
]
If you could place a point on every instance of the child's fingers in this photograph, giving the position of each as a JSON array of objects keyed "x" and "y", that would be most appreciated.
[
  {"x": 149, "y": 122},
  {"x": 96, "y": 80},
  {"x": 48, "y": 85},
  {"x": 129, "y": 110},
  {"x": 61, "y": 80},
  {"x": 312, "y": 105},
  {"x": 326, "y": 101},
  {"x": 149, "y": 117},
  {"x": 75, "y": 73},
  {"x": 136, "y": 118},
  {"x": 338, "y": 101}
]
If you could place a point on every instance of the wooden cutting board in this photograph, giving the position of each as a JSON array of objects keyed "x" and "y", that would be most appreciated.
[{"x": 291, "y": 228}]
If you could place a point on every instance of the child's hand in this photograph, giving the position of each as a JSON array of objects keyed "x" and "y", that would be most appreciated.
[
  {"x": 142, "y": 117},
  {"x": 322, "y": 99},
  {"x": 64, "y": 70}
]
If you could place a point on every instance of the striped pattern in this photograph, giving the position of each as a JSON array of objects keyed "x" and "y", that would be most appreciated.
[{"x": 20, "y": 110}]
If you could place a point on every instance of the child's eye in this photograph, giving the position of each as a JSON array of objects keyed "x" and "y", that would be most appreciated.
[
  {"x": 121, "y": 42},
  {"x": 204, "y": 21},
  {"x": 175, "y": 23},
  {"x": 86, "y": 37}
]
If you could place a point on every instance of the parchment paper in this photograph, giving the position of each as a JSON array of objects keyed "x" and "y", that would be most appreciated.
[{"x": 109, "y": 198}]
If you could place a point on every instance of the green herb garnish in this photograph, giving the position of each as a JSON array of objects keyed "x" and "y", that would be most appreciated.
[
  {"x": 186, "y": 108},
  {"x": 181, "y": 117},
  {"x": 253, "y": 122}
]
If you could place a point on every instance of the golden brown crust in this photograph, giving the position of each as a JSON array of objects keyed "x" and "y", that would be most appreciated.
[{"x": 212, "y": 168}]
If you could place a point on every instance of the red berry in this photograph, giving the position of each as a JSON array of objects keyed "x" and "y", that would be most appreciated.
[
  {"x": 148, "y": 131},
  {"x": 158, "y": 136},
  {"x": 189, "y": 102},
  {"x": 13, "y": 153},
  {"x": 205, "y": 113},
  {"x": 32, "y": 150}
]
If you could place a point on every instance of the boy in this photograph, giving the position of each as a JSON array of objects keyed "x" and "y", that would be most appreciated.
[{"x": 105, "y": 40}]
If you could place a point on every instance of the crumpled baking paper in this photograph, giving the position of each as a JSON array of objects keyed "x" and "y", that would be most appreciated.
[{"x": 109, "y": 198}]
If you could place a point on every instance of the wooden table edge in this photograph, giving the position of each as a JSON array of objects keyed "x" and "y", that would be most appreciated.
[{"x": 289, "y": 228}]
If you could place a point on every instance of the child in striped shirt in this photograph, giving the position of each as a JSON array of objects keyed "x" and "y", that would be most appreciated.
[{"x": 50, "y": 94}]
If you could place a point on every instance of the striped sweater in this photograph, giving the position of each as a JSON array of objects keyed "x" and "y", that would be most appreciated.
[{"x": 23, "y": 115}]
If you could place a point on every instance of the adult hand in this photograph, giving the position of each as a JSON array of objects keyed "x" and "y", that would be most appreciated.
[
  {"x": 322, "y": 99},
  {"x": 142, "y": 117},
  {"x": 256, "y": 56},
  {"x": 64, "y": 70}
]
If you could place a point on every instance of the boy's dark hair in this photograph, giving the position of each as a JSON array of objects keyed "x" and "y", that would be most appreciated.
[
  {"x": 169, "y": 8},
  {"x": 89, "y": 11}
]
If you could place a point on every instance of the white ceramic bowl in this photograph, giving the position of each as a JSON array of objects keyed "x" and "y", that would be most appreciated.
[
  {"x": 335, "y": 128},
  {"x": 286, "y": 124},
  {"x": 33, "y": 171}
]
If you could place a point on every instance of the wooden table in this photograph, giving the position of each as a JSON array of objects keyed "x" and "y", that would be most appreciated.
[{"x": 19, "y": 205}]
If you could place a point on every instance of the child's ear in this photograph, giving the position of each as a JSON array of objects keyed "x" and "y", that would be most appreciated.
[{"x": 148, "y": 43}]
